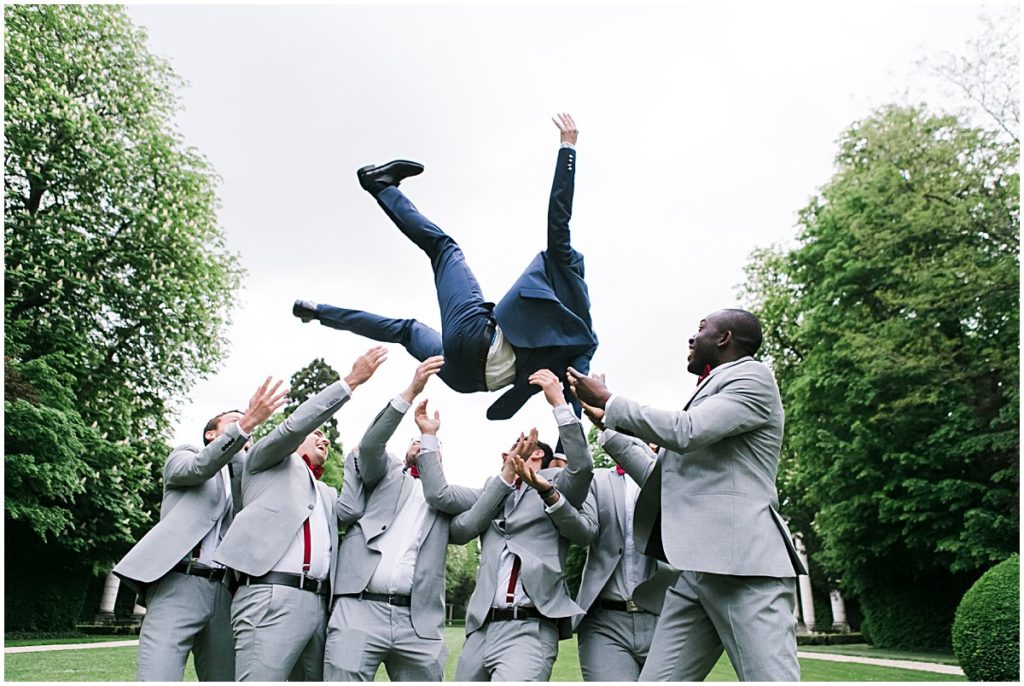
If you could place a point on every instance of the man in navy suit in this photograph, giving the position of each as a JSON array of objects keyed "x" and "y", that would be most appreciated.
[{"x": 543, "y": 322}]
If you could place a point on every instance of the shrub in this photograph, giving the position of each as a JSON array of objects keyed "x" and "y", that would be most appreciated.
[{"x": 986, "y": 629}]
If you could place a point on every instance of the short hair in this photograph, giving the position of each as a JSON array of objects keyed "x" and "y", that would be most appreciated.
[
  {"x": 548, "y": 454},
  {"x": 745, "y": 328},
  {"x": 212, "y": 424}
]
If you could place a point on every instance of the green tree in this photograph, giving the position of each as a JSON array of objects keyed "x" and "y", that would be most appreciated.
[
  {"x": 460, "y": 575},
  {"x": 893, "y": 330},
  {"x": 117, "y": 283}
]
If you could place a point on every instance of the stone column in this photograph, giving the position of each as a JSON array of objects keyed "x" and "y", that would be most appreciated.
[
  {"x": 839, "y": 622},
  {"x": 804, "y": 581},
  {"x": 109, "y": 600},
  {"x": 138, "y": 612}
]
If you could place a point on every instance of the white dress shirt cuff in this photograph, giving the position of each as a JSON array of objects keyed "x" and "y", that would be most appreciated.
[
  {"x": 567, "y": 144},
  {"x": 346, "y": 387},
  {"x": 564, "y": 415},
  {"x": 608, "y": 410},
  {"x": 604, "y": 436},
  {"x": 400, "y": 404},
  {"x": 429, "y": 443},
  {"x": 241, "y": 431},
  {"x": 558, "y": 505}
]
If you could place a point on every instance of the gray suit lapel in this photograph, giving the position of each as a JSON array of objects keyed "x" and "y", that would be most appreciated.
[
  {"x": 403, "y": 495},
  {"x": 619, "y": 500}
]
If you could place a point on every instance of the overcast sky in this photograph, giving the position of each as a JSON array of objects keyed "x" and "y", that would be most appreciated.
[{"x": 703, "y": 130}]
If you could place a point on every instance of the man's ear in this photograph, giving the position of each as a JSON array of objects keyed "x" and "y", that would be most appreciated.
[
  {"x": 210, "y": 436},
  {"x": 537, "y": 453},
  {"x": 724, "y": 339}
]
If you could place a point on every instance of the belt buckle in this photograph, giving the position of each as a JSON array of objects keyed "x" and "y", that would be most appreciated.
[
  {"x": 515, "y": 612},
  {"x": 391, "y": 598},
  {"x": 631, "y": 606}
]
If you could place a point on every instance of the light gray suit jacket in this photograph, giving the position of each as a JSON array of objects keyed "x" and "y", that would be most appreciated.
[
  {"x": 540, "y": 540},
  {"x": 709, "y": 503},
  {"x": 193, "y": 501},
  {"x": 604, "y": 513},
  {"x": 277, "y": 494},
  {"x": 454, "y": 514}
]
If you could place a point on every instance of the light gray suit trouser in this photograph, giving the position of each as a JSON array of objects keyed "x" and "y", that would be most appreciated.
[
  {"x": 364, "y": 633},
  {"x": 614, "y": 645},
  {"x": 515, "y": 650},
  {"x": 751, "y": 616},
  {"x": 185, "y": 613},
  {"x": 279, "y": 633}
]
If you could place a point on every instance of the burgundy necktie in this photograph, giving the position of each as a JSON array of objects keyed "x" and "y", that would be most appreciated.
[
  {"x": 619, "y": 470},
  {"x": 705, "y": 374},
  {"x": 318, "y": 470},
  {"x": 413, "y": 472}
]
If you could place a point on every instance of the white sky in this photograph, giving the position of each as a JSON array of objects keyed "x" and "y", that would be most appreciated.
[{"x": 703, "y": 130}]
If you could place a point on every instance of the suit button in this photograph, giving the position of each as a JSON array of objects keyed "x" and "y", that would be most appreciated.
[
  {"x": 310, "y": 507},
  {"x": 384, "y": 527},
  {"x": 507, "y": 537},
  {"x": 620, "y": 551}
]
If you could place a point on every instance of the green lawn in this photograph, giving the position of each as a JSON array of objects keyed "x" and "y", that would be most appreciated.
[{"x": 118, "y": 664}]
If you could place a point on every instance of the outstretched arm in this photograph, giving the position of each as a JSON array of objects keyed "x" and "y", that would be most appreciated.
[
  {"x": 373, "y": 460},
  {"x": 351, "y": 502},
  {"x": 560, "y": 204},
  {"x": 188, "y": 467},
  {"x": 289, "y": 434}
]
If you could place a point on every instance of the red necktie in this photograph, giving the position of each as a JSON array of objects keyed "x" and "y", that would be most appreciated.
[
  {"x": 705, "y": 374},
  {"x": 413, "y": 472},
  {"x": 619, "y": 470},
  {"x": 318, "y": 470}
]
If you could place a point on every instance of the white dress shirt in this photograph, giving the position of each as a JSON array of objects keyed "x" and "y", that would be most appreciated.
[
  {"x": 400, "y": 545},
  {"x": 319, "y": 537}
]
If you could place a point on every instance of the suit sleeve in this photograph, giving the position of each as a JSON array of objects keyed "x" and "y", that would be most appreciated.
[
  {"x": 373, "y": 460},
  {"x": 351, "y": 501},
  {"x": 439, "y": 494},
  {"x": 571, "y": 523},
  {"x": 632, "y": 454},
  {"x": 287, "y": 436},
  {"x": 574, "y": 481},
  {"x": 560, "y": 212},
  {"x": 188, "y": 466},
  {"x": 577, "y": 526},
  {"x": 740, "y": 405},
  {"x": 474, "y": 521}
]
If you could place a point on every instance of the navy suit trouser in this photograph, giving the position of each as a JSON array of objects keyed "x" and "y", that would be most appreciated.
[{"x": 466, "y": 322}]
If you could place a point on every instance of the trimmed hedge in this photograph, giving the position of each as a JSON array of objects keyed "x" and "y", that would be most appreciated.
[
  {"x": 986, "y": 630},
  {"x": 911, "y": 614}
]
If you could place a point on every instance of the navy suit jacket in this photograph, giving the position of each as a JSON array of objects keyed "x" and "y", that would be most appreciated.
[{"x": 545, "y": 316}]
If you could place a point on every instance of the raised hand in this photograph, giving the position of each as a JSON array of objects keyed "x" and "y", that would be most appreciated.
[
  {"x": 365, "y": 365},
  {"x": 590, "y": 390},
  {"x": 551, "y": 386},
  {"x": 566, "y": 127},
  {"x": 426, "y": 423},
  {"x": 264, "y": 402},
  {"x": 529, "y": 476},
  {"x": 428, "y": 368}
]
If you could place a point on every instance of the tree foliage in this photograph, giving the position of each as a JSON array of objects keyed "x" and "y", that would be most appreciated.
[
  {"x": 893, "y": 330},
  {"x": 117, "y": 282}
]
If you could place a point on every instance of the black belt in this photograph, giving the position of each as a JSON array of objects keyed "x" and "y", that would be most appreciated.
[
  {"x": 618, "y": 605},
  {"x": 318, "y": 586},
  {"x": 389, "y": 598},
  {"x": 200, "y": 570},
  {"x": 505, "y": 614}
]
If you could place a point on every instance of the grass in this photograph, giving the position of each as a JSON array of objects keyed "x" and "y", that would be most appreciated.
[
  {"x": 865, "y": 650},
  {"x": 118, "y": 664}
]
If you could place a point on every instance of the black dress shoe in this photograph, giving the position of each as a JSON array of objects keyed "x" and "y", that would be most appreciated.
[
  {"x": 375, "y": 179},
  {"x": 304, "y": 310}
]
